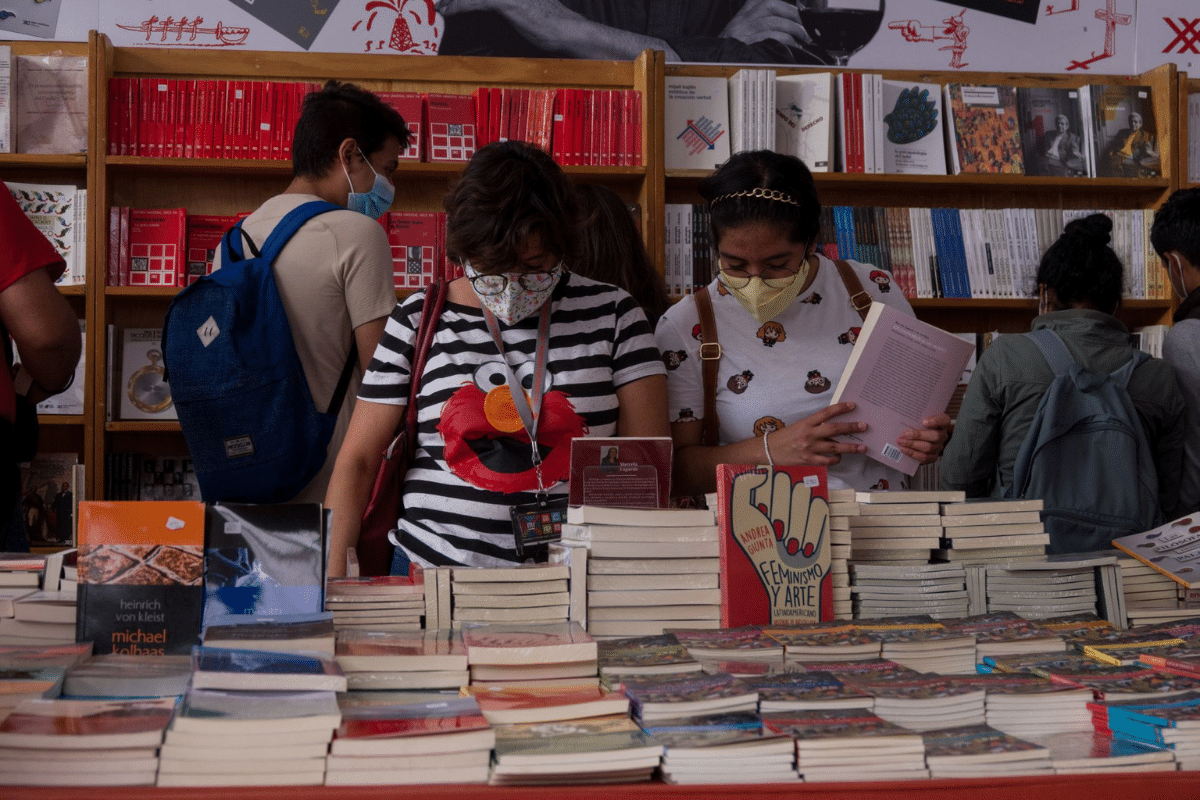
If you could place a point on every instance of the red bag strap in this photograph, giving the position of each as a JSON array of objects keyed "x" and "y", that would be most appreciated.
[
  {"x": 431, "y": 311},
  {"x": 710, "y": 357}
]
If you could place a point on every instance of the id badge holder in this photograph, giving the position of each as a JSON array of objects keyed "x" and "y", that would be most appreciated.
[{"x": 537, "y": 524}]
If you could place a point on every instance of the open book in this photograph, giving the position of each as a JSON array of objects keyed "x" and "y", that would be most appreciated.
[{"x": 902, "y": 370}]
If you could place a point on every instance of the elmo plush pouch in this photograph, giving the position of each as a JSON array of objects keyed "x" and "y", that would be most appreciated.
[{"x": 387, "y": 500}]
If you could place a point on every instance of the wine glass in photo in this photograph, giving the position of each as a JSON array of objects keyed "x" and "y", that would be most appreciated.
[{"x": 841, "y": 27}]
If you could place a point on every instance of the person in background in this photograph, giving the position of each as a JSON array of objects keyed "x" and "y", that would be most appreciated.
[
  {"x": 581, "y": 351},
  {"x": 1060, "y": 150},
  {"x": 43, "y": 326},
  {"x": 611, "y": 250},
  {"x": 1132, "y": 152},
  {"x": 1175, "y": 236},
  {"x": 1079, "y": 284},
  {"x": 335, "y": 275},
  {"x": 785, "y": 323}
]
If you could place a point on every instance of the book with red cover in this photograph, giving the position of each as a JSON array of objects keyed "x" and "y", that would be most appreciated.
[
  {"x": 141, "y": 570},
  {"x": 518, "y": 121},
  {"x": 413, "y": 237},
  {"x": 123, "y": 247},
  {"x": 497, "y": 105},
  {"x": 393, "y": 651},
  {"x": 449, "y": 127},
  {"x": 86, "y": 724},
  {"x": 222, "y": 136},
  {"x": 116, "y": 113},
  {"x": 558, "y": 125},
  {"x": 426, "y": 724},
  {"x": 113, "y": 271},
  {"x": 411, "y": 106},
  {"x": 204, "y": 232},
  {"x": 512, "y": 704},
  {"x": 775, "y": 549},
  {"x": 399, "y": 585},
  {"x": 156, "y": 242},
  {"x": 622, "y": 471},
  {"x": 483, "y": 132}
]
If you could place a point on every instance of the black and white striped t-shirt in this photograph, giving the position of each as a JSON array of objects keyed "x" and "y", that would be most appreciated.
[{"x": 473, "y": 458}]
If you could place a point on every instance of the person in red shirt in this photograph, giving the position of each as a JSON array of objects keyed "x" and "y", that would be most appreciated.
[{"x": 44, "y": 328}]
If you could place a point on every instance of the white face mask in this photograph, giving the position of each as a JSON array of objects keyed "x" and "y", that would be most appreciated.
[
  {"x": 1181, "y": 287},
  {"x": 514, "y": 302}
]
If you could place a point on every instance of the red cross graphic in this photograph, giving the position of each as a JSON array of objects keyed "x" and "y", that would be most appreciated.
[{"x": 1187, "y": 34}]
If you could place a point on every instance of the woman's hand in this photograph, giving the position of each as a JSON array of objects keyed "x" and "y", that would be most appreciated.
[
  {"x": 811, "y": 440},
  {"x": 926, "y": 444}
]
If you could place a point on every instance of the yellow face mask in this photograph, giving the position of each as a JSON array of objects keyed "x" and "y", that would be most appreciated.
[{"x": 766, "y": 298}]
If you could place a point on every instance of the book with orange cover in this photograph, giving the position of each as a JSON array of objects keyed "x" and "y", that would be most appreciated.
[{"x": 141, "y": 570}]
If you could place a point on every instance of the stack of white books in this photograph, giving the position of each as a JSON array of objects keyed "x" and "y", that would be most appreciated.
[
  {"x": 40, "y": 618},
  {"x": 384, "y": 603},
  {"x": 894, "y": 528},
  {"x": 643, "y": 655},
  {"x": 21, "y": 569},
  {"x": 834, "y": 744},
  {"x": 991, "y": 530},
  {"x": 593, "y": 750},
  {"x": 284, "y": 633},
  {"x": 726, "y": 747},
  {"x": 1150, "y": 596},
  {"x": 922, "y": 644},
  {"x": 1026, "y": 705},
  {"x": 1002, "y": 633},
  {"x": 63, "y": 742},
  {"x": 659, "y": 697},
  {"x": 371, "y": 659},
  {"x": 926, "y": 702},
  {"x": 842, "y": 506},
  {"x": 1039, "y": 590},
  {"x": 409, "y": 738},
  {"x": 547, "y": 654},
  {"x": 126, "y": 675},
  {"x": 529, "y": 593},
  {"x": 978, "y": 751},
  {"x": 249, "y": 738},
  {"x": 895, "y": 590},
  {"x": 647, "y": 569},
  {"x": 1072, "y": 753},
  {"x": 837, "y": 640}
]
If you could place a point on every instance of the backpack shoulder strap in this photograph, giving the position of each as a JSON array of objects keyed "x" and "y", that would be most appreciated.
[
  {"x": 1122, "y": 374},
  {"x": 710, "y": 358},
  {"x": 1052, "y": 348},
  {"x": 859, "y": 299},
  {"x": 292, "y": 222}
]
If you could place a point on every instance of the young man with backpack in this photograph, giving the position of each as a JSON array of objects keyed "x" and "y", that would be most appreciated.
[
  {"x": 1176, "y": 238},
  {"x": 333, "y": 276},
  {"x": 1072, "y": 413}
]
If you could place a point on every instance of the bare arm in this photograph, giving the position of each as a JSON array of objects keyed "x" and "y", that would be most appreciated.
[
  {"x": 366, "y": 339},
  {"x": 372, "y": 427},
  {"x": 45, "y": 329},
  {"x": 642, "y": 409},
  {"x": 550, "y": 26},
  {"x": 759, "y": 20}
]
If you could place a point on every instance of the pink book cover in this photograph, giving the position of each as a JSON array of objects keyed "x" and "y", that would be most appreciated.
[
  {"x": 382, "y": 584},
  {"x": 504, "y": 698},
  {"x": 410, "y": 106},
  {"x": 156, "y": 243},
  {"x": 901, "y": 371},
  {"x": 449, "y": 127},
  {"x": 623, "y": 471},
  {"x": 451, "y": 715},
  {"x": 77, "y": 718},
  {"x": 413, "y": 238},
  {"x": 352, "y": 642},
  {"x": 775, "y": 550}
]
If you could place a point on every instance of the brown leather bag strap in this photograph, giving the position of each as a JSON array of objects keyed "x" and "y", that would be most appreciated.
[
  {"x": 858, "y": 296},
  {"x": 710, "y": 358},
  {"x": 431, "y": 310}
]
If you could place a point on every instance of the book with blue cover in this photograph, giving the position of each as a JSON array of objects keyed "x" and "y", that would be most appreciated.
[
  {"x": 264, "y": 560},
  {"x": 264, "y": 670}
]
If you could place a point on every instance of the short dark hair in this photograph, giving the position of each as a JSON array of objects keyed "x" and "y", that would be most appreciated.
[
  {"x": 336, "y": 112},
  {"x": 1080, "y": 266},
  {"x": 611, "y": 250},
  {"x": 1177, "y": 226},
  {"x": 508, "y": 192},
  {"x": 763, "y": 169}
]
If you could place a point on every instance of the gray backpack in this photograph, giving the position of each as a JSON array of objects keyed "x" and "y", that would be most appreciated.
[{"x": 1086, "y": 455}]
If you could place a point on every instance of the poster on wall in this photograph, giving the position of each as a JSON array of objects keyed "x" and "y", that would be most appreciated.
[
  {"x": 31, "y": 17},
  {"x": 1168, "y": 31}
]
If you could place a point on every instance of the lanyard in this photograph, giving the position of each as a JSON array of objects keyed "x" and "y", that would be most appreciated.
[{"x": 528, "y": 409}]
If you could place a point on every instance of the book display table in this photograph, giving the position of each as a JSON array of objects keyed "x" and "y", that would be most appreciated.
[{"x": 1118, "y": 786}]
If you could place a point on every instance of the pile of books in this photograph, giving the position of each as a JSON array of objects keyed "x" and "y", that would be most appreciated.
[
  {"x": 1037, "y": 590},
  {"x": 842, "y": 506},
  {"x": 384, "y": 603},
  {"x": 723, "y": 747},
  {"x": 531, "y": 593},
  {"x": 831, "y": 744},
  {"x": 1080, "y": 752},
  {"x": 991, "y": 530},
  {"x": 548, "y": 654},
  {"x": 409, "y": 738},
  {"x": 619, "y": 659},
  {"x": 602, "y": 749},
  {"x": 657, "y": 697},
  {"x": 922, "y": 643},
  {"x": 648, "y": 569},
  {"x": 19, "y": 570},
  {"x": 38, "y": 618},
  {"x": 979, "y": 751},
  {"x": 882, "y": 590},
  {"x": 1150, "y": 596},
  {"x": 1172, "y": 723},
  {"x": 381, "y": 659}
]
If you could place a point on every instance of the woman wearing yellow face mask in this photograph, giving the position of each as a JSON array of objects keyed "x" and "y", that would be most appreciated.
[{"x": 786, "y": 324}]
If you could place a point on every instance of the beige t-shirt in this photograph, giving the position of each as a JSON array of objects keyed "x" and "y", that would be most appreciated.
[{"x": 334, "y": 275}]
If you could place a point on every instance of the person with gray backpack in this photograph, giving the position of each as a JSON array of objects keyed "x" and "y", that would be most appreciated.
[{"x": 1071, "y": 413}]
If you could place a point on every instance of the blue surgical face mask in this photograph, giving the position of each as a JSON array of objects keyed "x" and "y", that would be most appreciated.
[{"x": 375, "y": 202}]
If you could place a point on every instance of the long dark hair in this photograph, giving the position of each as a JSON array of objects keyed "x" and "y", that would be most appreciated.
[
  {"x": 781, "y": 175},
  {"x": 609, "y": 249}
]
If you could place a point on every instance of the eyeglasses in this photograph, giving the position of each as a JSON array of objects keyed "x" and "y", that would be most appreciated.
[{"x": 489, "y": 285}]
